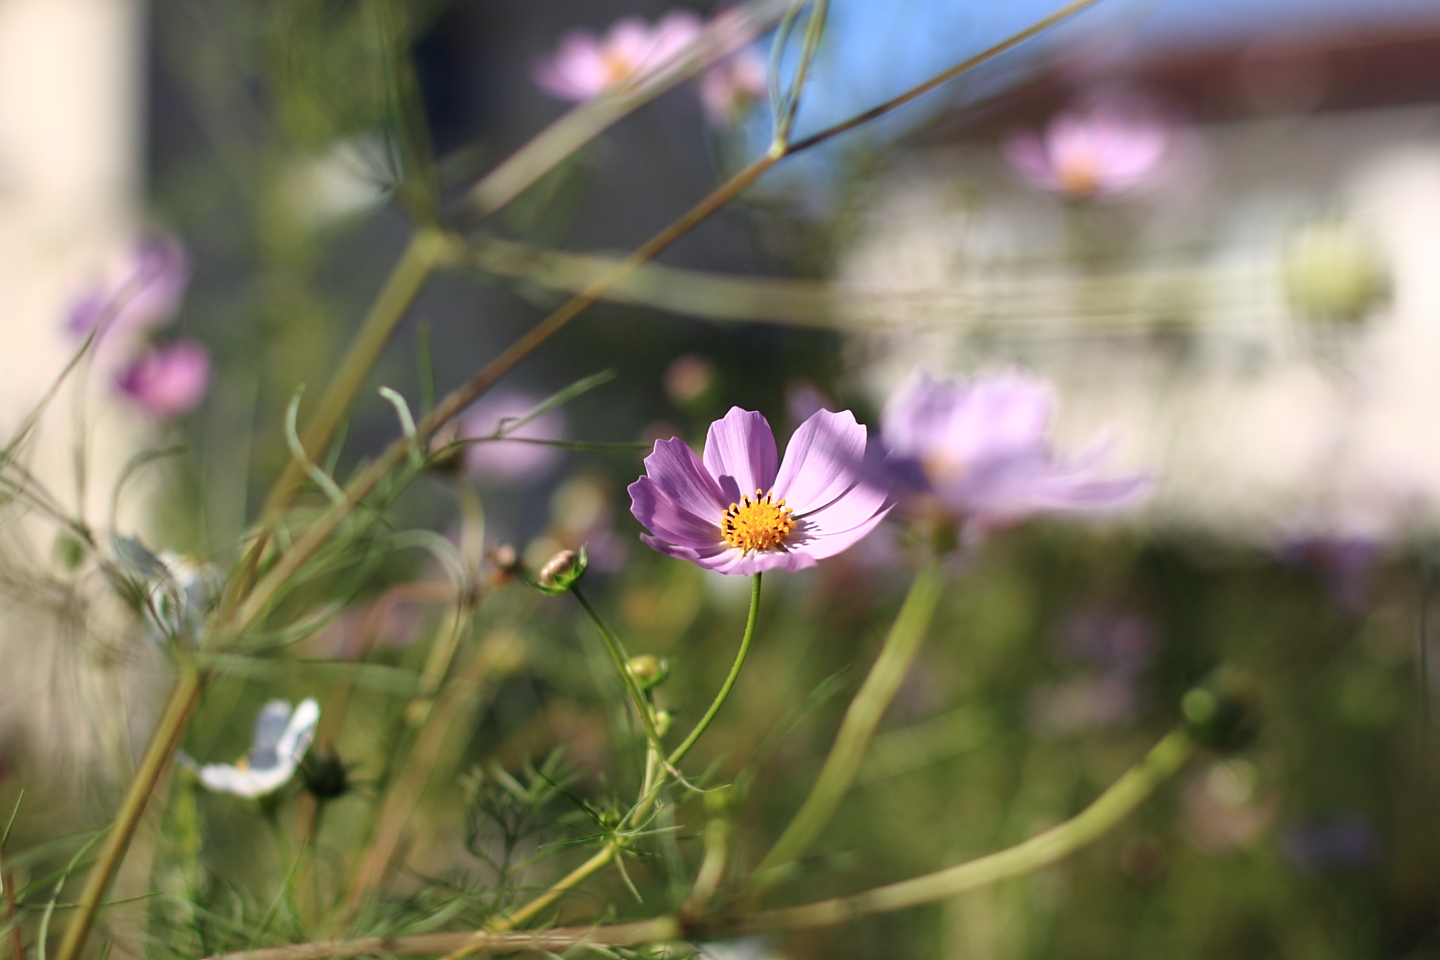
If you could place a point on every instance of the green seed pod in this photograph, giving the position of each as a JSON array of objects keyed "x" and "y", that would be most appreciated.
[{"x": 649, "y": 671}]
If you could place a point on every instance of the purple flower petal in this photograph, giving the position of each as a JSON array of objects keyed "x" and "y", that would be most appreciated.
[
  {"x": 668, "y": 519},
  {"x": 825, "y": 457},
  {"x": 680, "y": 475},
  {"x": 740, "y": 453},
  {"x": 981, "y": 449},
  {"x": 856, "y": 507},
  {"x": 737, "y": 564}
]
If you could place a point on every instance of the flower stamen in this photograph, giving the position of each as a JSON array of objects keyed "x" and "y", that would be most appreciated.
[{"x": 757, "y": 523}]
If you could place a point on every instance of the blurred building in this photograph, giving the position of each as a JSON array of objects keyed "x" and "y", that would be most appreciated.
[
  {"x": 71, "y": 89},
  {"x": 1259, "y": 321}
]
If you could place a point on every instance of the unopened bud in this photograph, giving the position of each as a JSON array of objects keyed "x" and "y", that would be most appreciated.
[
  {"x": 1222, "y": 713},
  {"x": 663, "y": 720},
  {"x": 648, "y": 671},
  {"x": 561, "y": 571},
  {"x": 325, "y": 775}
]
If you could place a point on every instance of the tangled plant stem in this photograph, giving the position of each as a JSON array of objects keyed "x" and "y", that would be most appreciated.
[
  {"x": 654, "y": 778},
  {"x": 1107, "y": 810},
  {"x": 247, "y": 599}
]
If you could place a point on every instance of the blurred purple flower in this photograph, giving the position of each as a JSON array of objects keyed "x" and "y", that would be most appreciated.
[
  {"x": 1113, "y": 648},
  {"x": 585, "y": 65},
  {"x": 1117, "y": 641},
  {"x": 1344, "y": 842},
  {"x": 510, "y": 461},
  {"x": 980, "y": 450},
  {"x": 815, "y": 504},
  {"x": 1081, "y": 704},
  {"x": 168, "y": 381},
  {"x": 1344, "y": 561},
  {"x": 141, "y": 293},
  {"x": 731, "y": 87},
  {"x": 1102, "y": 153},
  {"x": 803, "y": 400}
]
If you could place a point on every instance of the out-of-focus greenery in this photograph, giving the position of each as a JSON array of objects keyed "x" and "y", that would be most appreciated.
[{"x": 1059, "y": 655}]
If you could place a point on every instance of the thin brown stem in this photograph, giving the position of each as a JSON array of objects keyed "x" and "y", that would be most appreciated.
[
  {"x": 1107, "y": 810},
  {"x": 722, "y": 36},
  {"x": 183, "y": 700},
  {"x": 427, "y": 250},
  {"x": 315, "y": 536},
  {"x": 640, "y": 932},
  {"x": 940, "y": 79},
  {"x": 405, "y": 790}
]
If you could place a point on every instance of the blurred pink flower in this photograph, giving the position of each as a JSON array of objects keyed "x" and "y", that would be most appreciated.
[
  {"x": 585, "y": 65},
  {"x": 981, "y": 450},
  {"x": 510, "y": 461},
  {"x": 731, "y": 87},
  {"x": 1101, "y": 153},
  {"x": 168, "y": 381},
  {"x": 139, "y": 293}
]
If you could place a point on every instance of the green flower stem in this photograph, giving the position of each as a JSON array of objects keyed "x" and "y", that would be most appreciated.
[
  {"x": 650, "y": 790},
  {"x": 562, "y": 886},
  {"x": 724, "y": 694},
  {"x": 621, "y": 659},
  {"x": 1108, "y": 809},
  {"x": 428, "y": 248},
  {"x": 459, "y": 698},
  {"x": 163, "y": 742},
  {"x": 313, "y": 538},
  {"x": 861, "y": 719},
  {"x": 1045, "y": 848}
]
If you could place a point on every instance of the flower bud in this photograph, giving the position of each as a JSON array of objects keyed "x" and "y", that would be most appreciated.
[
  {"x": 561, "y": 571},
  {"x": 1222, "y": 714},
  {"x": 325, "y": 775},
  {"x": 648, "y": 671},
  {"x": 663, "y": 721}
]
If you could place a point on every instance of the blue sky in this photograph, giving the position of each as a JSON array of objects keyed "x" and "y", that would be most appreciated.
[{"x": 878, "y": 48}]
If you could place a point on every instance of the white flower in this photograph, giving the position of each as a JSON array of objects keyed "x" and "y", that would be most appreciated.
[{"x": 281, "y": 738}]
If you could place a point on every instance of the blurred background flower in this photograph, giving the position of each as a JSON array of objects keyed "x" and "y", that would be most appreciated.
[
  {"x": 585, "y": 65},
  {"x": 509, "y": 459},
  {"x": 169, "y": 380},
  {"x": 1104, "y": 152}
]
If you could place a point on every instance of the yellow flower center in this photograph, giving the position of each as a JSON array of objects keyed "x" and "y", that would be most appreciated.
[
  {"x": 618, "y": 66},
  {"x": 757, "y": 523},
  {"x": 1078, "y": 176}
]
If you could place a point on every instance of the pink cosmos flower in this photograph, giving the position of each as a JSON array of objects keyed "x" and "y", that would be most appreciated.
[
  {"x": 585, "y": 66},
  {"x": 1103, "y": 153},
  {"x": 509, "y": 461},
  {"x": 737, "y": 511},
  {"x": 728, "y": 89},
  {"x": 168, "y": 381},
  {"x": 980, "y": 450},
  {"x": 140, "y": 293}
]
